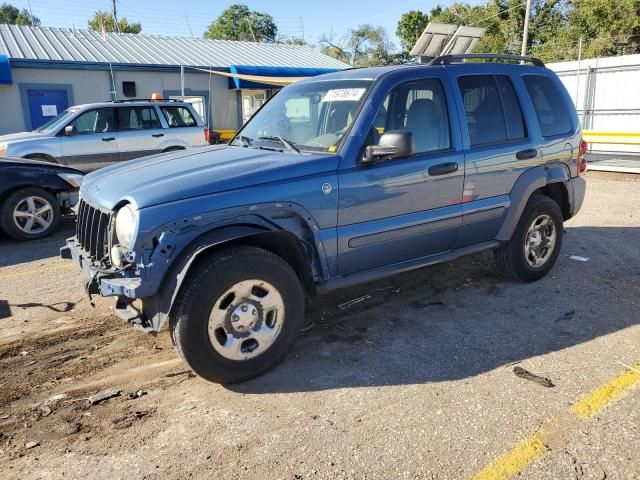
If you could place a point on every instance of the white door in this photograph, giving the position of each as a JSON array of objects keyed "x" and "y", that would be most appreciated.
[{"x": 140, "y": 132}]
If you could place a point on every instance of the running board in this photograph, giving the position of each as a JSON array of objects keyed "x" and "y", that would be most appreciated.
[{"x": 386, "y": 271}]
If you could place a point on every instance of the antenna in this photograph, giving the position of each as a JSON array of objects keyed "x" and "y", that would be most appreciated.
[
  {"x": 114, "y": 92},
  {"x": 189, "y": 25}
]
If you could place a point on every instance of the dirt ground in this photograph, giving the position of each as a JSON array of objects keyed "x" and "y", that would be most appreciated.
[{"x": 415, "y": 382}]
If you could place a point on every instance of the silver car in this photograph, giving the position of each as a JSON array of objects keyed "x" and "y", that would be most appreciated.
[{"x": 88, "y": 137}]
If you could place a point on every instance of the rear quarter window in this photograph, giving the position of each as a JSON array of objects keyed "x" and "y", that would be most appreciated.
[
  {"x": 177, "y": 116},
  {"x": 554, "y": 115}
]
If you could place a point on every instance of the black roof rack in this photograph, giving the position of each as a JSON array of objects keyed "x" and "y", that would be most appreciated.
[
  {"x": 448, "y": 59},
  {"x": 147, "y": 100}
]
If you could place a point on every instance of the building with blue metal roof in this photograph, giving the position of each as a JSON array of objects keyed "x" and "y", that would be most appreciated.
[{"x": 46, "y": 70}]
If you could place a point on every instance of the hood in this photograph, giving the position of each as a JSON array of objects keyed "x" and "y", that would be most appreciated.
[
  {"x": 22, "y": 136},
  {"x": 25, "y": 162},
  {"x": 191, "y": 173}
]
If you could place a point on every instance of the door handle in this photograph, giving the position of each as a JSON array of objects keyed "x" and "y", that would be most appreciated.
[
  {"x": 527, "y": 154},
  {"x": 108, "y": 139},
  {"x": 157, "y": 135},
  {"x": 443, "y": 169}
]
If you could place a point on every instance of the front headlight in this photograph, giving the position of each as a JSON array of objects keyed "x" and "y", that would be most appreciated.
[
  {"x": 126, "y": 224},
  {"x": 73, "y": 179},
  {"x": 3, "y": 149}
]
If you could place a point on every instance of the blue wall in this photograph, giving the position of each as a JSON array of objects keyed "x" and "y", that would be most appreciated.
[{"x": 5, "y": 71}]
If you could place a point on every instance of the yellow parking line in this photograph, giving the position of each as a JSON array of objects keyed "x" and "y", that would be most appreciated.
[
  {"x": 596, "y": 401},
  {"x": 35, "y": 271},
  {"x": 534, "y": 446},
  {"x": 515, "y": 460}
]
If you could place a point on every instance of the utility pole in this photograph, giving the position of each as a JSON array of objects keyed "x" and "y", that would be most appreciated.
[
  {"x": 525, "y": 34},
  {"x": 115, "y": 16}
]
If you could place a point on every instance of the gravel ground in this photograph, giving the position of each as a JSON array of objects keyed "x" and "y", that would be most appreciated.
[{"x": 416, "y": 382}]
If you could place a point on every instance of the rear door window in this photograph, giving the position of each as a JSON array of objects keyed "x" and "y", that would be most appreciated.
[
  {"x": 512, "y": 110},
  {"x": 483, "y": 110},
  {"x": 551, "y": 108},
  {"x": 178, "y": 116},
  {"x": 491, "y": 109},
  {"x": 138, "y": 118}
]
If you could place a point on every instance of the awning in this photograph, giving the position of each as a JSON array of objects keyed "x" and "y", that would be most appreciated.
[
  {"x": 5, "y": 71},
  {"x": 259, "y": 77}
]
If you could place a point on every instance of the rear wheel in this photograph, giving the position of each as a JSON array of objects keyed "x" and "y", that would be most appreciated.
[
  {"x": 238, "y": 314},
  {"x": 535, "y": 245},
  {"x": 29, "y": 214}
]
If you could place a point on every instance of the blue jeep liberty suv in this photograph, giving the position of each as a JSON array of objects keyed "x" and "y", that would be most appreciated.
[{"x": 339, "y": 179}]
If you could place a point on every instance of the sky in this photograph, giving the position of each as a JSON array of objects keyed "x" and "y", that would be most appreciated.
[{"x": 181, "y": 17}]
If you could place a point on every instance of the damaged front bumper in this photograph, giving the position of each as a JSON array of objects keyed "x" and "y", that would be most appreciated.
[
  {"x": 121, "y": 284},
  {"x": 101, "y": 282}
]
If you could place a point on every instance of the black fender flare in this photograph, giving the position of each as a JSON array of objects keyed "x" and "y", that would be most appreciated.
[
  {"x": 527, "y": 183},
  {"x": 157, "y": 307}
]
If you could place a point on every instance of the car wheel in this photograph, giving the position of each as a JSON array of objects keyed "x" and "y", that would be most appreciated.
[
  {"x": 29, "y": 214},
  {"x": 535, "y": 245},
  {"x": 238, "y": 314}
]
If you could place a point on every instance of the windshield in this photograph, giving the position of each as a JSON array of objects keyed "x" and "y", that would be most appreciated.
[
  {"x": 307, "y": 117},
  {"x": 56, "y": 121}
]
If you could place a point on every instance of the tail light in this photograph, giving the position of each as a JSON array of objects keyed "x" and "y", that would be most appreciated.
[
  {"x": 207, "y": 134},
  {"x": 582, "y": 160}
]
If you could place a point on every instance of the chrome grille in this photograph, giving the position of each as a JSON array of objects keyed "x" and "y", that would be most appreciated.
[{"x": 92, "y": 231}]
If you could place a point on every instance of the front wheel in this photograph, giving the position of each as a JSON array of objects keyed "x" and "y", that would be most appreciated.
[
  {"x": 29, "y": 214},
  {"x": 535, "y": 245},
  {"x": 238, "y": 314}
]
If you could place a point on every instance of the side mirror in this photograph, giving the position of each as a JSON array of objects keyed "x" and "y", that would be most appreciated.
[
  {"x": 393, "y": 144},
  {"x": 69, "y": 130}
]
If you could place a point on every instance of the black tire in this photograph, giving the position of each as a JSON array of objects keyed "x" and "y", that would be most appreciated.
[
  {"x": 511, "y": 259},
  {"x": 7, "y": 219},
  {"x": 201, "y": 291}
]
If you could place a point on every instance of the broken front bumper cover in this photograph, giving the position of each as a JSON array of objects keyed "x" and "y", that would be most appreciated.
[
  {"x": 104, "y": 283},
  {"x": 108, "y": 284}
]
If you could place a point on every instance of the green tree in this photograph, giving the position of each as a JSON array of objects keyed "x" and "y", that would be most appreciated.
[
  {"x": 239, "y": 23},
  {"x": 365, "y": 46},
  {"x": 504, "y": 23},
  {"x": 12, "y": 15},
  {"x": 101, "y": 18},
  {"x": 410, "y": 27},
  {"x": 608, "y": 27}
]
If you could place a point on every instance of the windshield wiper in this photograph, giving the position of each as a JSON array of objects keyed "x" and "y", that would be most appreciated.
[
  {"x": 245, "y": 140},
  {"x": 288, "y": 145}
]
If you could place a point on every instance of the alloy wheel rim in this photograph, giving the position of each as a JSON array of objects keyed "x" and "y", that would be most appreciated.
[
  {"x": 540, "y": 241},
  {"x": 246, "y": 319},
  {"x": 33, "y": 215}
]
